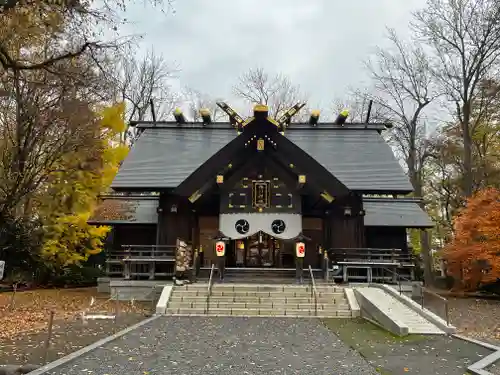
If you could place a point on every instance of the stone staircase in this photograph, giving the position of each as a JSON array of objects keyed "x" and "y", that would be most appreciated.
[{"x": 259, "y": 300}]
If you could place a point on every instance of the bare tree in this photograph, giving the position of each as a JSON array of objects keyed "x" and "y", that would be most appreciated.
[
  {"x": 45, "y": 117},
  {"x": 140, "y": 81},
  {"x": 403, "y": 81},
  {"x": 465, "y": 38},
  {"x": 47, "y": 16},
  {"x": 196, "y": 100},
  {"x": 278, "y": 92},
  {"x": 443, "y": 177}
]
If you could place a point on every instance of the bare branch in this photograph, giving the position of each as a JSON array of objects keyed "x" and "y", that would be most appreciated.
[
  {"x": 138, "y": 81},
  {"x": 465, "y": 39},
  {"x": 278, "y": 92},
  {"x": 196, "y": 100}
]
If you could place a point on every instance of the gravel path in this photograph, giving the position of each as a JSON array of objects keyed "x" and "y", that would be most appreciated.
[{"x": 220, "y": 346}]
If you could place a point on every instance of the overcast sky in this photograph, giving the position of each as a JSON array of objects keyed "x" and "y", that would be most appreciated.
[{"x": 319, "y": 44}]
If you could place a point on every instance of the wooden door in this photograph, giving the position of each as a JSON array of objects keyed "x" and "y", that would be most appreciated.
[{"x": 209, "y": 228}]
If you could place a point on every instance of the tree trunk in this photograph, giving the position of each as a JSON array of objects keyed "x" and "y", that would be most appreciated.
[
  {"x": 426, "y": 257},
  {"x": 425, "y": 247},
  {"x": 467, "y": 162}
]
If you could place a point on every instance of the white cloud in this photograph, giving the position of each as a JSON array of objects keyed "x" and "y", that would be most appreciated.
[{"x": 320, "y": 44}]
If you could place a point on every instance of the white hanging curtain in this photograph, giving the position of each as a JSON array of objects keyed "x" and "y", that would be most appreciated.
[{"x": 281, "y": 226}]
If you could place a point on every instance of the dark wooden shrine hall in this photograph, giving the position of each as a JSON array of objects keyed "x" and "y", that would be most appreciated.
[{"x": 263, "y": 184}]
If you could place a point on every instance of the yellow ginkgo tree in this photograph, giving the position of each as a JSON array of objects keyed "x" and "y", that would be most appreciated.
[{"x": 73, "y": 189}]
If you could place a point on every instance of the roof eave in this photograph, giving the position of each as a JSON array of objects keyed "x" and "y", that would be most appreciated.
[
  {"x": 117, "y": 222},
  {"x": 140, "y": 189},
  {"x": 402, "y": 191},
  {"x": 427, "y": 226}
]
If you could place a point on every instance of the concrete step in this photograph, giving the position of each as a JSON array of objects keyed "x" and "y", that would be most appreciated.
[
  {"x": 254, "y": 299},
  {"x": 260, "y": 287},
  {"x": 258, "y": 312},
  {"x": 236, "y": 305},
  {"x": 274, "y": 294}
]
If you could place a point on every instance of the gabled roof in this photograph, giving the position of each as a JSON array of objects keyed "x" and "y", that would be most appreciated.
[
  {"x": 126, "y": 210},
  {"x": 395, "y": 213},
  {"x": 165, "y": 155}
]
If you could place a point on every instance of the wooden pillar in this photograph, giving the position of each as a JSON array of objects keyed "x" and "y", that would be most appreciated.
[{"x": 152, "y": 264}]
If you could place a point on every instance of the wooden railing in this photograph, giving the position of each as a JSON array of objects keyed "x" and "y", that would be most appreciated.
[
  {"x": 135, "y": 261},
  {"x": 368, "y": 264},
  {"x": 369, "y": 256}
]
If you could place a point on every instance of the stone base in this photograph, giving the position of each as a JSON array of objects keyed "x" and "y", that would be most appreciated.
[
  {"x": 138, "y": 290},
  {"x": 103, "y": 285}
]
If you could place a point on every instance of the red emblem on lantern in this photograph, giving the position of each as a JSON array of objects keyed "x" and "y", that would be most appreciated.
[
  {"x": 300, "y": 249},
  {"x": 220, "y": 248}
]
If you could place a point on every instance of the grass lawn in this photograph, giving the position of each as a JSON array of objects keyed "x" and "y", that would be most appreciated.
[{"x": 413, "y": 354}]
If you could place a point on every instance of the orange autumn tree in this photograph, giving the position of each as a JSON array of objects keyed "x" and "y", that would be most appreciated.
[{"x": 473, "y": 256}]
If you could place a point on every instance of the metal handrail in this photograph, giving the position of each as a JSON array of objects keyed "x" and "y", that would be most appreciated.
[
  {"x": 209, "y": 290},
  {"x": 314, "y": 291},
  {"x": 422, "y": 289}
]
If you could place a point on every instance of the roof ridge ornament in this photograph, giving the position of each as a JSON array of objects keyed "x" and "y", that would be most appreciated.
[
  {"x": 234, "y": 118},
  {"x": 286, "y": 118},
  {"x": 206, "y": 117},
  {"x": 179, "y": 116},
  {"x": 314, "y": 118},
  {"x": 342, "y": 117}
]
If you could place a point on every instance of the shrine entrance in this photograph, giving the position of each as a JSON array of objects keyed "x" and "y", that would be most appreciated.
[{"x": 260, "y": 250}]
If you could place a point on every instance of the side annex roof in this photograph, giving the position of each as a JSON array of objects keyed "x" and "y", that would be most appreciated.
[{"x": 395, "y": 213}]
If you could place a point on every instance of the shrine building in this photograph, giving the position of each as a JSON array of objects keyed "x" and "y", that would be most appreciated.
[{"x": 261, "y": 185}]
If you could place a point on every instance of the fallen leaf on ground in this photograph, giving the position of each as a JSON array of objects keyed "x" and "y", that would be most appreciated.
[{"x": 31, "y": 310}]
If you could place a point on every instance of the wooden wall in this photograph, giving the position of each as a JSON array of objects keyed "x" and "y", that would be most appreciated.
[
  {"x": 344, "y": 232},
  {"x": 134, "y": 234},
  {"x": 386, "y": 238},
  {"x": 181, "y": 224}
]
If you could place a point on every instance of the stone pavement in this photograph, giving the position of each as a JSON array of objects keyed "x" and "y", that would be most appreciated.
[{"x": 223, "y": 346}]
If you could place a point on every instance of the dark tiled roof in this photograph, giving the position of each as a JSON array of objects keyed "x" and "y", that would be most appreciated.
[
  {"x": 163, "y": 157},
  {"x": 123, "y": 210},
  {"x": 395, "y": 213},
  {"x": 359, "y": 158}
]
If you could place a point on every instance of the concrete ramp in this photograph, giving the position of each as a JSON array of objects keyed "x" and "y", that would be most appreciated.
[{"x": 382, "y": 308}]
